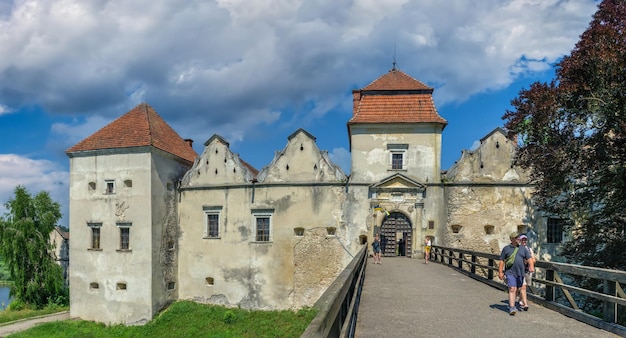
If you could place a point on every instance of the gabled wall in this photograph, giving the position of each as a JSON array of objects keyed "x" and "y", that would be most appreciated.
[
  {"x": 487, "y": 196},
  {"x": 304, "y": 194}
]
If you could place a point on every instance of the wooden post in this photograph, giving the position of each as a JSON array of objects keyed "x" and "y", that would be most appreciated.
[
  {"x": 549, "y": 288},
  {"x": 490, "y": 271},
  {"x": 473, "y": 266},
  {"x": 460, "y": 262},
  {"x": 609, "y": 310}
]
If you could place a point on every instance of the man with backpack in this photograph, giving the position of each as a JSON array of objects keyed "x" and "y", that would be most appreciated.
[{"x": 511, "y": 269}]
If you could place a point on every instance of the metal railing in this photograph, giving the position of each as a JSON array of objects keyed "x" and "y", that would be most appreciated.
[
  {"x": 338, "y": 306},
  {"x": 551, "y": 279}
]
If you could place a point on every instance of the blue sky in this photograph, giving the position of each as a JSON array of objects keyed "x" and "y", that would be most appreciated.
[{"x": 256, "y": 71}]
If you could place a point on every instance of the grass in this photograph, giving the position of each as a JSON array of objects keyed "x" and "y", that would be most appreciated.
[
  {"x": 188, "y": 319},
  {"x": 9, "y": 316}
]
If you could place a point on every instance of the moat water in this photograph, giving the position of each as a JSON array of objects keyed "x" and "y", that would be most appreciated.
[{"x": 5, "y": 300}]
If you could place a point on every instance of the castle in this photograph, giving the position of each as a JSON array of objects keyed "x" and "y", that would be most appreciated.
[{"x": 153, "y": 222}]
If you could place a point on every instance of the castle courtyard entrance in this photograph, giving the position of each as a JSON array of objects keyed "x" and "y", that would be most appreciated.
[{"x": 396, "y": 235}]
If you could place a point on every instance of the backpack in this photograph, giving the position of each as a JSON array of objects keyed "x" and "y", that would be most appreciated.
[{"x": 508, "y": 263}]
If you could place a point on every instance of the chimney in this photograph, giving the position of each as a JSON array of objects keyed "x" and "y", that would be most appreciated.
[{"x": 189, "y": 142}]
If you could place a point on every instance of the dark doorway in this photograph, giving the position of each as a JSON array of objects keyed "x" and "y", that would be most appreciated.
[{"x": 396, "y": 227}]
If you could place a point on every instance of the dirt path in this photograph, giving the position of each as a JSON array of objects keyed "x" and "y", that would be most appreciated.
[{"x": 23, "y": 324}]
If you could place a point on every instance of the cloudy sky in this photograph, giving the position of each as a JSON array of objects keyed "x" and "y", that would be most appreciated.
[{"x": 256, "y": 71}]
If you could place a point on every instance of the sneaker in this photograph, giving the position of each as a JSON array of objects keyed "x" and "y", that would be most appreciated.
[
  {"x": 512, "y": 311},
  {"x": 525, "y": 308}
]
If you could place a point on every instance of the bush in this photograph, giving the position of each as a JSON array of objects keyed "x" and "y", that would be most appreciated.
[{"x": 229, "y": 317}]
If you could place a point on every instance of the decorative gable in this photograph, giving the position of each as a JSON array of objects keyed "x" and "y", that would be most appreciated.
[
  {"x": 492, "y": 161},
  {"x": 218, "y": 166},
  {"x": 301, "y": 161}
]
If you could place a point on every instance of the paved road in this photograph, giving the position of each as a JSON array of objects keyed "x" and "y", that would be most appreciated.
[
  {"x": 20, "y": 325},
  {"x": 405, "y": 298}
]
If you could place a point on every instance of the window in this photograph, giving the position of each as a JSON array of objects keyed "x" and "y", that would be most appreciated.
[
  {"x": 121, "y": 286},
  {"x": 212, "y": 221},
  {"x": 109, "y": 186},
  {"x": 298, "y": 232},
  {"x": 95, "y": 235},
  {"x": 262, "y": 223},
  {"x": 95, "y": 238},
  {"x": 398, "y": 160},
  {"x": 554, "y": 230},
  {"x": 262, "y": 229},
  {"x": 124, "y": 236}
]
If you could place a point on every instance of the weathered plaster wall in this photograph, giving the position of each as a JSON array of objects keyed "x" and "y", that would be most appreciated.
[
  {"x": 166, "y": 173},
  {"x": 108, "y": 266},
  {"x": 487, "y": 197},
  {"x": 371, "y": 159},
  {"x": 301, "y": 188}
]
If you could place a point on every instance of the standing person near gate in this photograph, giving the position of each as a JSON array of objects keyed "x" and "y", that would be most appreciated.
[
  {"x": 427, "y": 246},
  {"x": 511, "y": 269},
  {"x": 376, "y": 249},
  {"x": 527, "y": 274}
]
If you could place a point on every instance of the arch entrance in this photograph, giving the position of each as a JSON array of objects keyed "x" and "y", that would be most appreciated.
[{"x": 396, "y": 235}]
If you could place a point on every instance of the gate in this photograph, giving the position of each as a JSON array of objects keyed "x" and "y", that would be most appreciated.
[{"x": 396, "y": 227}]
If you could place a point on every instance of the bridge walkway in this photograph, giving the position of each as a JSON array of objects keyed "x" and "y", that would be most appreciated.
[{"x": 404, "y": 297}]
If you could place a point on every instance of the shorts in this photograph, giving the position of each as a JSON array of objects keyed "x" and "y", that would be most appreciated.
[
  {"x": 514, "y": 281},
  {"x": 528, "y": 278},
  {"x": 428, "y": 249}
]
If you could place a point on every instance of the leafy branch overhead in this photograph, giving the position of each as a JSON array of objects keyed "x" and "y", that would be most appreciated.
[{"x": 572, "y": 134}]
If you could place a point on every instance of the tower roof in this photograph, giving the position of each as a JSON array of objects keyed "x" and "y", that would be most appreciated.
[
  {"x": 395, "y": 97},
  {"x": 139, "y": 127}
]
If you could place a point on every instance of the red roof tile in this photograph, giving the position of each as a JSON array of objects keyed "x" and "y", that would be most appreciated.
[
  {"x": 395, "y": 97},
  {"x": 396, "y": 80},
  {"x": 141, "y": 126}
]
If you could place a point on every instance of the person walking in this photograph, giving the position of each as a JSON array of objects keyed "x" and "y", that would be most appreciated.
[
  {"x": 528, "y": 276},
  {"x": 427, "y": 246},
  {"x": 376, "y": 249},
  {"x": 511, "y": 269}
]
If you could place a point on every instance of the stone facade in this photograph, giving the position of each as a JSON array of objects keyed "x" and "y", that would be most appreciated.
[{"x": 213, "y": 229}]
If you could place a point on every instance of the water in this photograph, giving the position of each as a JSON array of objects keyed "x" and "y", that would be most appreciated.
[{"x": 4, "y": 297}]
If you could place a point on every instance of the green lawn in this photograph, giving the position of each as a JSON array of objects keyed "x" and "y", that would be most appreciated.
[
  {"x": 9, "y": 316},
  {"x": 189, "y": 319}
]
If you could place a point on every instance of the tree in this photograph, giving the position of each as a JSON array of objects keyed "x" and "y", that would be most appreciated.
[
  {"x": 572, "y": 135},
  {"x": 26, "y": 248}
]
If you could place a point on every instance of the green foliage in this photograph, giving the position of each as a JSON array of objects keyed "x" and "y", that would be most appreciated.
[
  {"x": 573, "y": 139},
  {"x": 25, "y": 247},
  {"x": 229, "y": 317},
  {"x": 189, "y": 319}
]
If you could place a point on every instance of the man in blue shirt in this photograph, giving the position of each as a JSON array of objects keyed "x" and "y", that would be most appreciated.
[{"x": 514, "y": 273}]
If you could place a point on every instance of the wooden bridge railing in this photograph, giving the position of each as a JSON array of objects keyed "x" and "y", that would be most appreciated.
[
  {"x": 339, "y": 304},
  {"x": 549, "y": 279}
]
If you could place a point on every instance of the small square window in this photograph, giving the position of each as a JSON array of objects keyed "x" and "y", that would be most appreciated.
[
  {"x": 121, "y": 286},
  {"x": 554, "y": 230},
  {"x": 109, "y": 186}
]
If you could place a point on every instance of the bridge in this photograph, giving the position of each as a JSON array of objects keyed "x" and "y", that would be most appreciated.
[{"x": 455, "y": 295}]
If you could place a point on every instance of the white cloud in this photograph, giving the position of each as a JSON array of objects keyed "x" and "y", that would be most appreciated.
[
  {"x": 36, "y": 176},
  {"x": 5, "y": 110}
]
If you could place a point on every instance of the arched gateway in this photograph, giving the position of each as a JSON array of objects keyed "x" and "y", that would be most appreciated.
[{"x": 396, "y": 235}]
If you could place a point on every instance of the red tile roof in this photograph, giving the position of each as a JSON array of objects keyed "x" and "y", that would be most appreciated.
[
  {"x": 140, "y": 127},
  {"x": 395, "y": 97}
]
